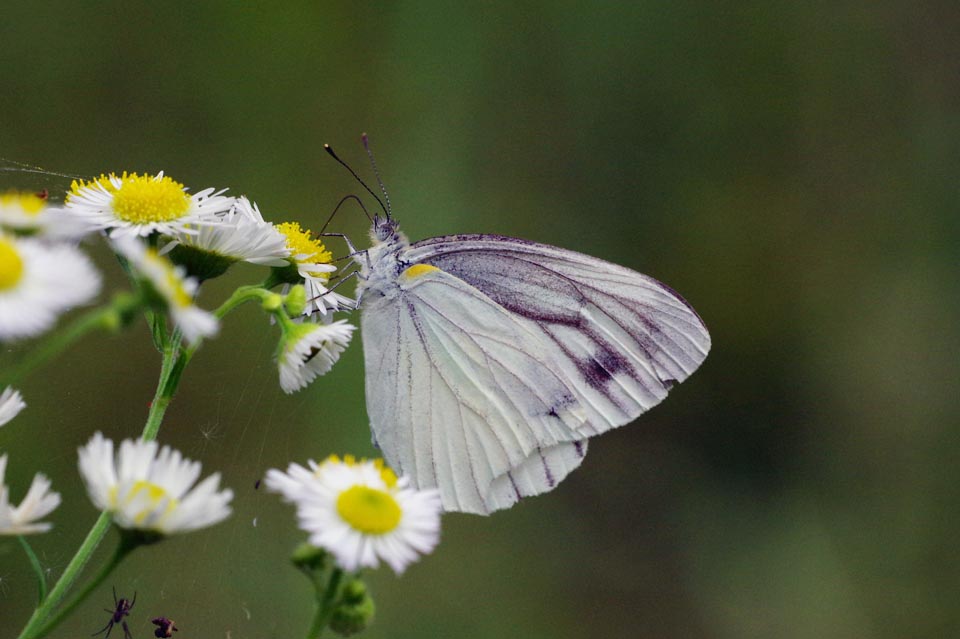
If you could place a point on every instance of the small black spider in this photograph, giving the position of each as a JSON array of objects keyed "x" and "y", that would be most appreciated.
[
  {"x": 121, "y": 608},
  {"x": 165, "y": 628}
]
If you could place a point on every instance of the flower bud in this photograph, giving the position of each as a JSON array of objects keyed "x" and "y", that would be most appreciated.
[
  {"x": 296, "y": 301},
  {"x": 308, "y": 557},
  {"x": 355, "y": 610},
  {"x": 354, "y": 592},
  {"x": 272, "y": 302}
]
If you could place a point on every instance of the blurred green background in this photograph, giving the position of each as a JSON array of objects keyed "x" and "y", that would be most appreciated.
[{"x": 790, "y": 168}]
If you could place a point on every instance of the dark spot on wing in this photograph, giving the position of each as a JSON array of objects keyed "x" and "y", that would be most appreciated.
[
  {"x": 595, "y": 374},
  {"x": 551, "y": 482},
  {"x": 578, "y": 445},
  {"x": 612, "y": 360},
  {"x": 600, "y": 369}
]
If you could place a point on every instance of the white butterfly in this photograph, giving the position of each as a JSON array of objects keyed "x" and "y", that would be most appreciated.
[{"x": 490, "y": 360}]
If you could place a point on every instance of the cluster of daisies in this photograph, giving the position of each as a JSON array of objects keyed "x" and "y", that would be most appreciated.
[
  {"x": 357, "y": 510},
  {"x": 143, "y": 489},
  {"x": 42, "y": 272},
  {"x": 170, "y": 241}
]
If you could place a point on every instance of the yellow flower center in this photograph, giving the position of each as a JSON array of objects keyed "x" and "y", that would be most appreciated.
[
  {"x": 142, "y": 199},
  {"x": 29, "y": 203},
  {"x": 11, "y": 264},
  {"x": 369, "y": 510},
  {"x": 303, "y": 248},
  {"x": 151, "y": 496}
]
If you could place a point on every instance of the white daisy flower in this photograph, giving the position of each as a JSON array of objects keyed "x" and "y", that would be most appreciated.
[
  {"x": 360, "y": 512},
  {"x": 132, "y": 204},
  {"x": 39, "y": 281},
  {"x": 172, "y": 285},
  {"x": 309, "y": 350},
  {"x": 39, "y": 502},
  {"x": 239, "y": 235},
  {"x": 151, "y": 491},
  {"x": 11, "y": 403},
  {"x": 313, "y": 263},
  {"x": 30, "y": 214}
]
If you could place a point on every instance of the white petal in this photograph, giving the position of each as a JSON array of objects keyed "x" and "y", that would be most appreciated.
[{"x": 11, "y": 403}]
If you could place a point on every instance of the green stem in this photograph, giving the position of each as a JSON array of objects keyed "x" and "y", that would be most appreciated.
[
  {"x": 37, "y": 568},
  {"x": 326, "y": 604},
  {"x": 240, "y": 296},
  {"x": 40, "y": 622},
  {"x": 124, "y": 548},
  {"x": 171, "y": 370},
  {"x": 170, "y": 373},
  {"x": 157, "y": 322},
  {"x": 69, "y": 576}
]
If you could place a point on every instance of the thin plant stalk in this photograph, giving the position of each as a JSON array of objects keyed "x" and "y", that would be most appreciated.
[
  {"x": 172, "y": 366},
  {"x": 38, "y": 625},
  {"x": 327, "y": 600}
]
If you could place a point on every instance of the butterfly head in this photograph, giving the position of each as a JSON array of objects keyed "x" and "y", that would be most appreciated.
[{"x": 384, "y": 229}]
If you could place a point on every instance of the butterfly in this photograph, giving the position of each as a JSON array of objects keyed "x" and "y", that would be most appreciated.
[{"x": 490, "y": 361}]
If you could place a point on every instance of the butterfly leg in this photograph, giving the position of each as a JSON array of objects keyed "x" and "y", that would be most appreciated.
[
  {"x": 350, "y": 246},
  {"x": 346, "y": 277}
]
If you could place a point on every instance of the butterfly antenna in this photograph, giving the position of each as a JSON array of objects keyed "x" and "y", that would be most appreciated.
[
  {"x": 329, "y": 149},
  {"x": 337, "y": 208},
  {"x": 376, "y": 171}
]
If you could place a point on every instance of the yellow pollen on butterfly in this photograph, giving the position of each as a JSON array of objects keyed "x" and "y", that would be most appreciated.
[
  {"x": 415, "y": 271},
  {"x": 29, "y": 203},
  {"x": 369, "y": 510},
  {"x": 11, "y": 264}
]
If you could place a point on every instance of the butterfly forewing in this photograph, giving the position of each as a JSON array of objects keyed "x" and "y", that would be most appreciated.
[
  {"x": 490, "y": 360},
  {"x": 621, "y": 339}
]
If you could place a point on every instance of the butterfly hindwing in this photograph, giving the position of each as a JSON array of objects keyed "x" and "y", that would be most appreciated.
[{"x": 463, "y": 396}]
